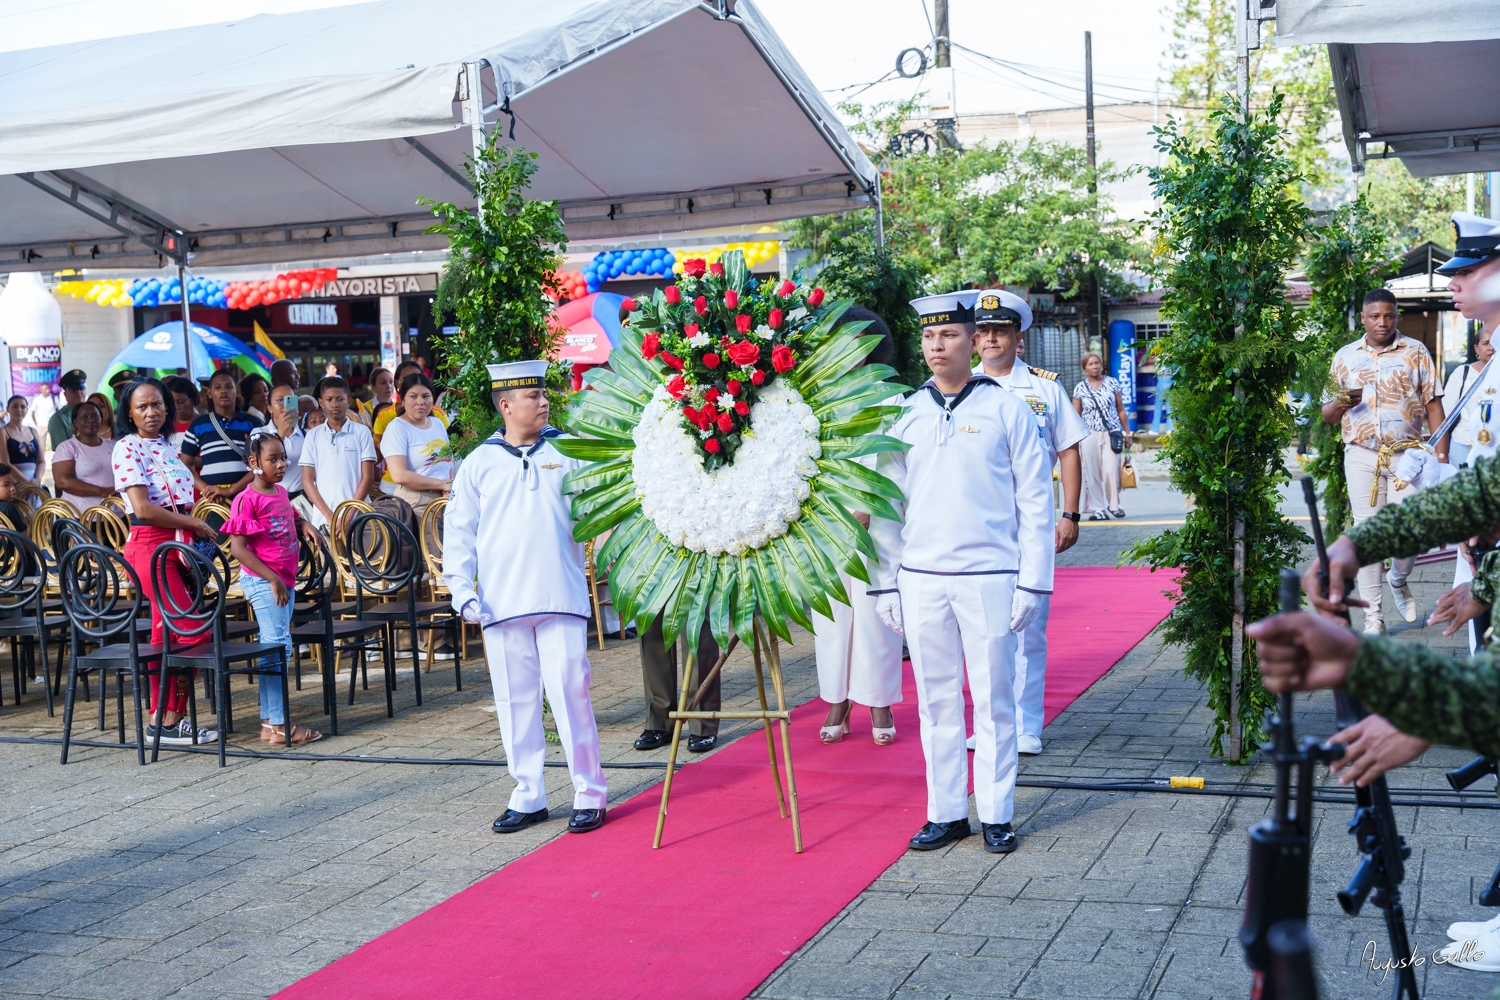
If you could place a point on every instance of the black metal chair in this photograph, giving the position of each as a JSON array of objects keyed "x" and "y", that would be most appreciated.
[
  {"x": 384, "y": 558},
  {"x": 204, "y": 615},
  {"x": 314, "y": 622},
  {"x": 102, "y": 601},
  {"x": 23, "y": 620}
]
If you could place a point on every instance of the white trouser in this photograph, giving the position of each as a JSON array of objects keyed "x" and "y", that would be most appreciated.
[
  {"x": 1031, "y": 671},
  {"x": 859, "y": 658},
  {"x": 1462, "y": 574},
  {"x": 1101, "y": 473},
  {"x": 955, "y": 623},
  {"x": 526, "y": 655},
  {"x": 1359, "y": 469}
]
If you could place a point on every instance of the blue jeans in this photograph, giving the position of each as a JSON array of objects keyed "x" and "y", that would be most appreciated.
[{"x": 275, "y": 626}]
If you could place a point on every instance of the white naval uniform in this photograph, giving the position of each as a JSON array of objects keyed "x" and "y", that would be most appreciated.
[
  {"x": 508, "y": 530},
  {"x": 977, "y": 524},
  {"x": 1060, "y": 427},
  {"x": 1462, "y": 571}
]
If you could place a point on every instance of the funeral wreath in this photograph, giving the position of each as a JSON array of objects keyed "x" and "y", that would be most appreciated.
[{"x": 722, "y": 439}]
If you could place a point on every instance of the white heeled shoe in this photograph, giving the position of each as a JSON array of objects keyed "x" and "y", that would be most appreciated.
[
  {"x": 883, "y": 737},
  {"x": 833, "y": 734}
]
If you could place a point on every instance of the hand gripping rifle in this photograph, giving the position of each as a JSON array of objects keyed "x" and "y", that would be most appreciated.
[
  {"x": 1274, "y": 934},
  {"x": 1383, "y": 851}
]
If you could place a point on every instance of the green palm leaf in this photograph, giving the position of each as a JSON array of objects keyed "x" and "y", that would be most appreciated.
[
  {"x": 610, "y": 514},
  {"x": 593, "y": 449},
  {"x": 613, "y": 385},
  {"x": 680, "y": 601},
  {"x": 869, "y": 444},
  {"x": 603, "y": 474}
]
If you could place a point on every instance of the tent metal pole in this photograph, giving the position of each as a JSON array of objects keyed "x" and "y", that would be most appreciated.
[
  {"x": 879, "y": 210},
  {"x": 187, "y": 325},
  {"x": 474, "y": 112}
]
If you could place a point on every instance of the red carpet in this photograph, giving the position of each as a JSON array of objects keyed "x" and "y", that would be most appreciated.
[{"x": 725, "y": 901}]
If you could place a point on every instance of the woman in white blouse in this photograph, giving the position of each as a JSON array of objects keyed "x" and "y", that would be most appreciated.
[
  {"x": 412, "y": 444},
  {"x": 1460, "y": 381}
]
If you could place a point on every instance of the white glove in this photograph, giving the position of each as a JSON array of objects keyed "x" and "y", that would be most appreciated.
[
  {"x": 470, "y": 613},
  {"x": 1024, "y": 608},
  {"x": 888, "y": 610}
]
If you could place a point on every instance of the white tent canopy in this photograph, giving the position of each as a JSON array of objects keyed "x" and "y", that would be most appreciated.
[
  {"x": 1413, "y": 80},
  {"x": 310, "y": 135}
]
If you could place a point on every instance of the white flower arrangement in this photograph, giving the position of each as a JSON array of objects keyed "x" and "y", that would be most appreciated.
[{"x": 735, "y": 507}]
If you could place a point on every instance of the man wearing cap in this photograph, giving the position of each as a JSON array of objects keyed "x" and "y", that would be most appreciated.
[
  {"x": 1000, "y": 318},
  {"x": 1388, "y": 382},
  {"x": 512, "y": 565},
  {"x": 75, "y": 387},
  {"x": 965, "y": 569}
]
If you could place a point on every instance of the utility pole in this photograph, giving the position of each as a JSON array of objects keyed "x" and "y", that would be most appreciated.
[
  {"x": 1088, "y": 105},
  {"x": 941, "y": 56},
  {"x": 945, "y": 106}
]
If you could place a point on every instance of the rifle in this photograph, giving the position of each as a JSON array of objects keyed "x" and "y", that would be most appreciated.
[
  {"x": 1274, "y": 932},
  {"x": 1461, "y": 778},
  {"x": 1383, "y": 850}
]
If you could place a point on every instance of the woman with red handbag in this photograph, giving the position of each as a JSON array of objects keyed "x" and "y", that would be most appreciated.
[{"x": 156, "y": 487}]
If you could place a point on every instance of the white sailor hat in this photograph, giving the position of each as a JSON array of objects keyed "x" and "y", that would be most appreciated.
[
  {"x": 949, "y": 307},
  {"x": 518, "y": 375},
  {"x": 995, "y": 305},
  {"x": 1475, "y": 240}
]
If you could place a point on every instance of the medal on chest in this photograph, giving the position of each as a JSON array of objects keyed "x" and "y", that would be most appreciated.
[
  {"x": 1486, "y": 408},
  {"x": 1038, "y": 406}
]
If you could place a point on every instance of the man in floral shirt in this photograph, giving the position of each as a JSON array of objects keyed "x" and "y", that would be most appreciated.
[{"x": 1388, "y": 382}]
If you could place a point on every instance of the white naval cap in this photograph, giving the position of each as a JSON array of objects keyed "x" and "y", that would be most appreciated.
[
  {"x": 949, "y": 307},
  {"x": 518, "y": 375},
  {"x": 1475, "y": 240},
  {"x": 995, "y": 305}
]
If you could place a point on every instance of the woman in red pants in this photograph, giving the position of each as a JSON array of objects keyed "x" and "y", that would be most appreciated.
[{"x": 158, "y": 489}]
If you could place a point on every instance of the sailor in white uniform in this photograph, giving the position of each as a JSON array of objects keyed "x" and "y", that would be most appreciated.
[
  {"x": 965, "y": 569},
  {"x": 511, "y": 563},
  {"x": 1000, "y": 318}
]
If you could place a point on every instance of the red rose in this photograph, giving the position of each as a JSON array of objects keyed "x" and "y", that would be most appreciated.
[
  {"x": 757, "y": 377},
  {"x": 743, "y": 323},
  {"x": 725, "y": 423},
  {"x": 711, "y": 446},
  {"x": 731, "y": 299},
  {"x": 650, "y": 345},
  {"x": 787, "y": 288},
  {"x": 673, "y": 296},
  {"x": 693, "y": 267},
  {"x": 703, "y": 421},
  {"x": 742, "y": 408},
  {"x": 816, "y": 298},
  {"x": 711, "y": 394},
  {"x": 671, "y": 360},
  {"x": 710, "y": 361},
  {"x": 782, "y": 358},
  {"x": 744, "y": 353},
  {"x": 733, "y": 387},
  {"x": 676, "y": 386},
  {"x": 716, "y": 269},
  {"x": 690, "y": 413},
  {"x": 710, "y": 411},
  {"x": 773, "y": 319},
  {"x": 700, "y": 304},
  {"x": 628, "y": 304},
  {"x": 690, "y": 331}
]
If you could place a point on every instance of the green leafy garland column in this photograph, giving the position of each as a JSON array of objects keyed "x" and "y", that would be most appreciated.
[
  {"x": 1348, "y": 258},
  {"x": 1229, "y": 227},
  {"x": 501, "y": 259}
]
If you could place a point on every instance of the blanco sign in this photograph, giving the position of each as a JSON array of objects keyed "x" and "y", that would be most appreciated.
[
  {"x": 301, "y": 314},
  {"x": 391, "y": 284}
]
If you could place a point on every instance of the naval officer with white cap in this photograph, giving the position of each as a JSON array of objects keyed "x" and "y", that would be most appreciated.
[
  {"x": 1000, "y": 318},
  {"x": 965, "y": 569},
  {"x": 511, "y": 563}
]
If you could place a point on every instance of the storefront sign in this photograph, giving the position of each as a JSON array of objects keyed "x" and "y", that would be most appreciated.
[
  {"x": 35, "y": 370},
  {"x": 390, "y": 284},
  {"x": 305, "y": 314}
]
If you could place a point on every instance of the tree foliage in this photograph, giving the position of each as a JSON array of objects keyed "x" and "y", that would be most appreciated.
[
  {"x": 1228, "y": 228},
  {"x": 1347, "y": 258},
  {"x": 1412, "y": 210},
  {"x": 875, "y": 277},
  {"x": 501, "y": 259}
]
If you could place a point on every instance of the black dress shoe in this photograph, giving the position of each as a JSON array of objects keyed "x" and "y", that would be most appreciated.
[
  {"x": 514, "y": 822},
  {"x": 702, "y": 744},
  {"x": 652, "y": 739},
  {"x": 936, "y": 835},
  {"x": 999, "y": 838},
  {"x": 585, "y": 820}
]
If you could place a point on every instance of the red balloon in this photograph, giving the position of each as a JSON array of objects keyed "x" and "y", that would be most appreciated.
[{"x": 305, "y": 285}]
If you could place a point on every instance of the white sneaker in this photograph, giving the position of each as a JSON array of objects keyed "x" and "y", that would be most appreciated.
[
  {"x": 969, "y": 743},
  {"x": 1374, "y": 626},
  {"x": 1405, "y": 602},
  {"x": 1464, "y": 930},
  {"x": 1029, "y": 746},
  {"x": 1478, "y": 954}
]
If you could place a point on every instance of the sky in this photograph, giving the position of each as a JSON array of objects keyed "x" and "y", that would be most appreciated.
[{"x": 842, "y": 44}]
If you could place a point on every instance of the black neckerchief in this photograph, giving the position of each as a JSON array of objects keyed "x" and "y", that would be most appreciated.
[
  {"x": 949, "y": 405},
  {"x": 525, "y": 456}
]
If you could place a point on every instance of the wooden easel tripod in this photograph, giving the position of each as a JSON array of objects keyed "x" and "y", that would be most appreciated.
[{"x": 686, "y": 710}]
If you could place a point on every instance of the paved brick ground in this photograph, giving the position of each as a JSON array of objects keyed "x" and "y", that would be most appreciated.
[{"x": 184, "y": 880}]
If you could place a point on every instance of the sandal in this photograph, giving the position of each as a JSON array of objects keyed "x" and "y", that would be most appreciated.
[
  {"x": 834, "y": 733},
  {"x": 1098, "y": 516},
  {"x": 884, "y": 736},
  {"x": 276, "y": 735}
]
